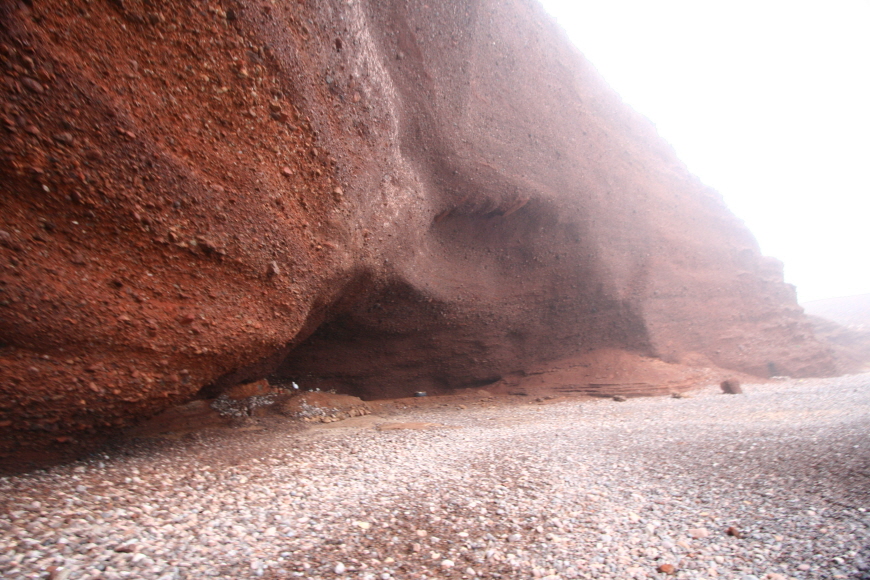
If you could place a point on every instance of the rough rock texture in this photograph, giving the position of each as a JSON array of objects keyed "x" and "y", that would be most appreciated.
[{"x": 401, "y": 196}]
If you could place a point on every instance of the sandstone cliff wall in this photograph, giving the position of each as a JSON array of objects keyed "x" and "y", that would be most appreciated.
[{"x": 379, "y": 197}]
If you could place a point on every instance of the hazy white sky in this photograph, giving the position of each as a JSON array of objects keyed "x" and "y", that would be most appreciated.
[{"x": 766, "y": 101}]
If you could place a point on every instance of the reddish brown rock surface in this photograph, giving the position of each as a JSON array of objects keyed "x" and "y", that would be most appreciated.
[{"x": 380, "y": 197}]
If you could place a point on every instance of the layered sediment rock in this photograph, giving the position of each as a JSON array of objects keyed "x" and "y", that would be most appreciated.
[{"x": 377, "y": 197}]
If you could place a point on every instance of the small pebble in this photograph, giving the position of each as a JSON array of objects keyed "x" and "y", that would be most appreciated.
[
  {"x": 733, "y": 532},
  {"x": 32, "y": 84}
]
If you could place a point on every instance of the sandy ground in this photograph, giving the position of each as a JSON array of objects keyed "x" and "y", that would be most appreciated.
[{"x": 575, "y": 488}]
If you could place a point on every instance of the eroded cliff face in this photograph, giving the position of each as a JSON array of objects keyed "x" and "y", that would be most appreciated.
[{"x": 377, "y": 197}]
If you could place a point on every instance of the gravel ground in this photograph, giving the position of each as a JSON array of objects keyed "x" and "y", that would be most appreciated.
[{"x": 576, "y": 489}]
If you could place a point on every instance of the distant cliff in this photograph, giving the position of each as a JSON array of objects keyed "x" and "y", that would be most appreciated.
[
  {"x": 844, "y": 323},
  {"x": 850, "y": 311}
]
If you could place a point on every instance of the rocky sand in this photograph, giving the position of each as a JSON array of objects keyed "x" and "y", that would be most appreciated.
[{"x": 570, "y": 489}]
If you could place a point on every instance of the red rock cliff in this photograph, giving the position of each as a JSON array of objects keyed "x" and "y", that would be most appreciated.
[{"x": 380, "y": 197}]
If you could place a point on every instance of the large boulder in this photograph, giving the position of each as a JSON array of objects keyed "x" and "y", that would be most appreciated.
[{"x": 377, "y": 197}]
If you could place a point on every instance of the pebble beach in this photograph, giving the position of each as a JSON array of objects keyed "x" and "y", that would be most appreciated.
[{"x": 770, "y": 484}]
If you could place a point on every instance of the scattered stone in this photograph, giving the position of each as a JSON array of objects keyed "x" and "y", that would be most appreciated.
[
  {"x": 733, "y": 532},
  {"x": 59, "y": 573},
  {"x": 340, "y": 568},
  {"x": 731, "y": 387},
  {"x": 188, "y": 319},
  {"x": 209, "y": 246},
  {"x": 296, "y": 500},
  {"x": 65, "y": 138},
  {"x": 699, "y": 533},
  {"x": 619, "y": 398},
  {"x": 287, "y": 172},
  {"x": 321, "y": 407},
  {"x": 32, "y": 84}
]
